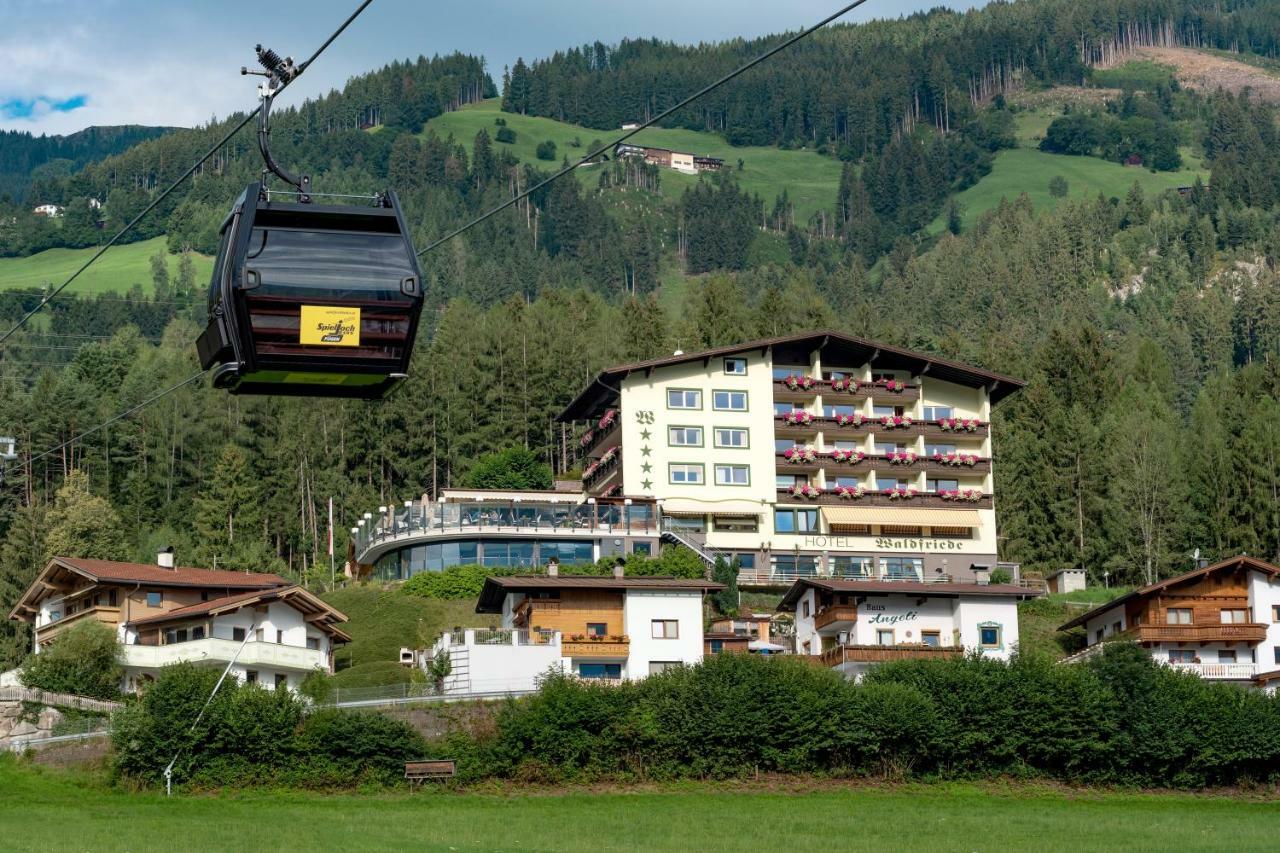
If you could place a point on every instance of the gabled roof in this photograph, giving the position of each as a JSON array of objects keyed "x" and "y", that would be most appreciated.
[
  {"x": 495, "y": 589},
  {"x": 147, "y": 574},
  {"x": 1142, "y": 592},
  {"x": 318, "y": 612},
  {"x": 931, "y": 589},
  {"x": 839, "y": 347}
]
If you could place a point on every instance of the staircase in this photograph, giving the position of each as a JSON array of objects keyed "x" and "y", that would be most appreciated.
[
  {"x": 459, "y": 678},
  {"x": 697, "y": 543}
]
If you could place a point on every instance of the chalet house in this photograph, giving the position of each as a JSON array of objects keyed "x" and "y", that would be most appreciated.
[
  {"x": 708, "y": 164},
  {"x": 747, "y": 632},
  {"x": 851, "y": 625},
  {"x": 50, "y": 210},
  {"x": 607, "y": 628},
  {"x": 1220, "y": 622},
  {"x": 276, "y": 631}
]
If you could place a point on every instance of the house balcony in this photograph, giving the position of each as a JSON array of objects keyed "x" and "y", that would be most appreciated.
[
  {"x": 1244, "y": 632},
  {"x": 602, "y": 473},
  {"x": 606, "y": 649},
  {"x": 1219, "y": 671},
  {"x": 823, "y": 460},
  {"x": 836, "y": 617},
  {"x": 106, "y": 615},
  {"x": 872, "y": 498},
  {"x": 805, "y": 390},
  {"x": 607, "y": 432},
  {"x": 880, "y": 392},
  {"x": 879, "y": 654},
  {"x": 212, "y": 650}
]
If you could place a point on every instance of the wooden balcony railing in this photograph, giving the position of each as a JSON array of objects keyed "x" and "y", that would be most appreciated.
[
  {"x": 835, "y": 613},
  {"x": 595, "y": 648},
  {"x": 1238, "y": 632},
  {"x": 825, "y": 462},
  {"x": 872, "y": 424},
  {"x": 879, "y": 654},
  {"x": 104, "y": 614},
  {"x": 923, "y": 499}
]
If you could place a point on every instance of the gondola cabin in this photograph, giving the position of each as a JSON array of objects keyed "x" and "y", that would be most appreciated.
[{"x": 312, "y": 299}]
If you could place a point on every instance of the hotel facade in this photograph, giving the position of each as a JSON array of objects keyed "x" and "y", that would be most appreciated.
[{"x": 810, "y": 455}]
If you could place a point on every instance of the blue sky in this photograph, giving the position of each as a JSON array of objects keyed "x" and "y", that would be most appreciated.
[{"x": 67, "y": 64}]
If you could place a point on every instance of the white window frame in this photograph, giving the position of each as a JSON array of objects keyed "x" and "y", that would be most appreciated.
[
  {"x": 746, "y": 469},
  {"x": 671, "y": 431},
  {"x": 715, "y": 400},
  {"x": 687, "y": 468},
  {"x": 684, "y": 392},
  {"x": 659, "y": 629},
  {"x": 737, "y": 431},
  {"x": 735, "y": 362}
]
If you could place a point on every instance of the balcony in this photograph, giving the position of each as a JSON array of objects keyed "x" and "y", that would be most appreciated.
[
  {"x": 934, "y": 466},
  {"x": 879, "y": 654},
  {"x": 599, "y": 474},
  {"x": 798, "y": 389},
  {"x": 607, "y": 432},
  {"x": 609, "y": 648},
  {"x": 218, "y": 651},
  {"x": 872, "y": 498},
  {"x": 106, "y": 615},
  {"x": 1218, "y": 671},
  {"x": 570, "y": 515},
  {"x": 1245, "y": 632},
  {"x": 837, "y": 617}
]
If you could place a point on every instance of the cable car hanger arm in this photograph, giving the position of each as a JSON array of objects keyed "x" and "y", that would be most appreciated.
[{"x": 279, "y": 73}]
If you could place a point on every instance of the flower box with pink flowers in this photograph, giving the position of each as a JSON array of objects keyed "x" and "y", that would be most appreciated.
[
  {"x": 849, "y": 493},
  {"x": 855, "y": 420},
  {"x": 971, "y": 495},
  {"x": 960, "y": 424},
  {"x": 800, "y": 455},
  {"x": 804, "y": 490},
  {"x": 900, "y": 493},
  {"x": 799, "y": 417},
  {"x": 896, "y": 421},
  {"x": 956, "y": 460},
  {"x": 900, "y": 457},
  {"x": 845, "y": 383},
  {"x": 795, "y": 382},
  {"x": 847, "y": 456}
]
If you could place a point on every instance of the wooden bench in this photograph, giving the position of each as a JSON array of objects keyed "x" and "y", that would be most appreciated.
[{"x": 419, "y": 771}]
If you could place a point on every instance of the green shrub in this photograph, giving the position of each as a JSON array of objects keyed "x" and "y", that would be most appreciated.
[
  {"x": 514, "y": 468},
  {"x": 453, "y": 582},
  {"x": 1001, "y": 576},
  {"x": 546, "y": 150},
  {"x": 507, "y": 135},
  {"x": 84, "y": 660},
  {"x": 368, "y": 746}
]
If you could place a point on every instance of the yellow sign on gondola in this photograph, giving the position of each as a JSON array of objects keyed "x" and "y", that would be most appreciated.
[{"x": 326, "y": 325}]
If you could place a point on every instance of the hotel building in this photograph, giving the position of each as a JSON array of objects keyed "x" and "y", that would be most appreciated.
[
  {"x": 809, "y": 455},
  {"x": 1220, "y": 622}
]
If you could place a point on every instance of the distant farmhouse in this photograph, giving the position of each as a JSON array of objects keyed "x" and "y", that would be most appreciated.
[
  {"x": 50, "y": 210},
  {"x": 690, "y": 164}
]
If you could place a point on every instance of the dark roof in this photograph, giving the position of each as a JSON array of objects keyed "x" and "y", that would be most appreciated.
[
  {"x": 296, "y": 596},
  {"x": 931, "y": 589},
  {"x": 1231, "y": 563},
  {"x": 149, "y": 573},
  {"x": 837, "y": 347},
  {"x": 496, "y": 588},
  {"x": 1267, "y": 677}
]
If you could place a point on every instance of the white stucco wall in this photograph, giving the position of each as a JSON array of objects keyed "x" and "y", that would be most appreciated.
[
  {"x": 972, "y": 612},
  {"x": 641, "y": 608},
  {"x": 805, "y": 630},
  {"x": 907, "y": 619},
  {"x": 1264, "y": 594}
]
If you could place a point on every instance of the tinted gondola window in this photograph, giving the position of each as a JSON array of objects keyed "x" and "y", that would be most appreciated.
[{"x": 328, "y": 265}]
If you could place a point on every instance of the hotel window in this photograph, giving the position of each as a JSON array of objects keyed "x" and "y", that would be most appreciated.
[
  {"x": 847, "y": 481},
  {"x": 685, "y": 475},
  {"x": 1226, "y": 656},
  {"x": 846, "y": 445},
  {"x": 783, "y": 408},
  {"x": 729, "y": 401},
  {"x": 795, "y": 566},
  {"x": 735, "y": 366},
  {"x": 782, "y": 445},
  {"x": 795, "y": 520},
  {"x": 939, "y": 449},
  {"x": 1236, "y": 617},
  {"x": 687, "y": 523},
  {"x": 851, "y": 567},
  {"x": 937, "y": 413},
  {"x": 877, "y": 377},
  {"x": 884, "y": 484},
  {"x": 665, "y": 629},
  {"x": 884, "y": 448},
  {"x": 931, "y": 638},
  {"x": 735, "y": 524},
  {"x": 733, "y": 475},
  {"x": 901, "y": 530},
  {"x": 746, "y": 561},
  {"x": 934, "y": 486},
  {"x": 833, "y": 411},
  {"x": 786, "y": 481},
  {"x": 902, "y": 568},
  {"x": 951, "y": 532},
  {"x": 1178, "y": 616},
  {"x": 989, "y": 636},
  {"x": 683, "y": 398},
  {"x": 600, "y": 670},
  {"x": 684, "y": 436},
  {"x": 1182, "y": 656},
  {"x": 642, "y": 548},
  {"x": 657, "y": 666},
  {"x": 154, "y": 599},
  {"x": 886, "y": 411},
  {"x": 597, "y": 629},
  {"x": 781, "y": 372},
  {"x": 732, "y": 438},
  {"x": 884, "y": 637},
  {"x": 237, "y": 634}
]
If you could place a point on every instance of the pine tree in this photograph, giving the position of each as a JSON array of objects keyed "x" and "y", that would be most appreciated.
[
  {"x": 22, "y": 556},
  {"x": 228, "y": 511},
  {"x": 81, "y": 524}
]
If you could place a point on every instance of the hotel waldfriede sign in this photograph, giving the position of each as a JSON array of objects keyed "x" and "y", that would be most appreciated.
[{"x": 885, "y": 543}]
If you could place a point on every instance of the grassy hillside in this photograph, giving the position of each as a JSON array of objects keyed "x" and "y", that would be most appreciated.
[
  {"x": 384, "y": 620},
  {"x": 115, "y": 272},
  {"x": 1039, "y": 618},
  {"x": 809, "y": 178}
]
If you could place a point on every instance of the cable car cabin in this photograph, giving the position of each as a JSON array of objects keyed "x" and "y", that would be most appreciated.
[{"x": 312, "y": 300}]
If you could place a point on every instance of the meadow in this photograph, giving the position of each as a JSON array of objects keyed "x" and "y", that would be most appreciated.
[
  {"x": 47, "y": 810},
  {"x": 116, "y": 271},
  {"x": 810, "y": 179}
]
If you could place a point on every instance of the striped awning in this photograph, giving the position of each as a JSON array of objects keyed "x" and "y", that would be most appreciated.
[
  {"x": 837, "y": 515},
  {"x": 729, "y": 508}
]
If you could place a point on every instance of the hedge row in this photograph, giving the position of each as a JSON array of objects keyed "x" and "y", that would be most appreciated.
[{"x": 1119, "y": 719}]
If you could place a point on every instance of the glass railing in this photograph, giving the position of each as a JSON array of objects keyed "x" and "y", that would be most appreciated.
[{"x": 426, "y": 518}]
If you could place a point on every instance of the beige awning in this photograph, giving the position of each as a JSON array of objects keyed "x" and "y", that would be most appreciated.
[
  {"x": 901, "y": 515},
  {"x": 737, "y": 507}
]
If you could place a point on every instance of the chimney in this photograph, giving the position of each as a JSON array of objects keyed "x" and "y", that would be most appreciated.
[
  {"x": 620, "y": 569},
  {"x": 165, "y": 558},
  {"x": 553, "y": 567}
]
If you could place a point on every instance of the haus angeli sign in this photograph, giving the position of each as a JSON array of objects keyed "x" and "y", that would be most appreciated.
[{"x": 882, "y": 618}]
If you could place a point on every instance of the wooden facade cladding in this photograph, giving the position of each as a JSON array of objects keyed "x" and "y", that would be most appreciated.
[
  {"x": 1245, "y": 632},
  {"x": 1206, "y": 597},
  {"x": 573, "y": 611},
  {"x": 835, "y": 613},
  {"x": 608, "y": 649}
]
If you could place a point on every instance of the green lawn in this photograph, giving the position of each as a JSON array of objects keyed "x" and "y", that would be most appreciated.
[
  {"x": 115, "y": 272},
  {"x": 1039, "y": 618},
  {"x": 57, "y": 811},
  {"x": 384, "y": 620},
  {"x": 809, "y": 178},
  {"x": 1026, "y": 170}
]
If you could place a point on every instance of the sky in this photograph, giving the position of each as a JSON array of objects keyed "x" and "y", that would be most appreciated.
[{"x": 69, "y": 64}]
